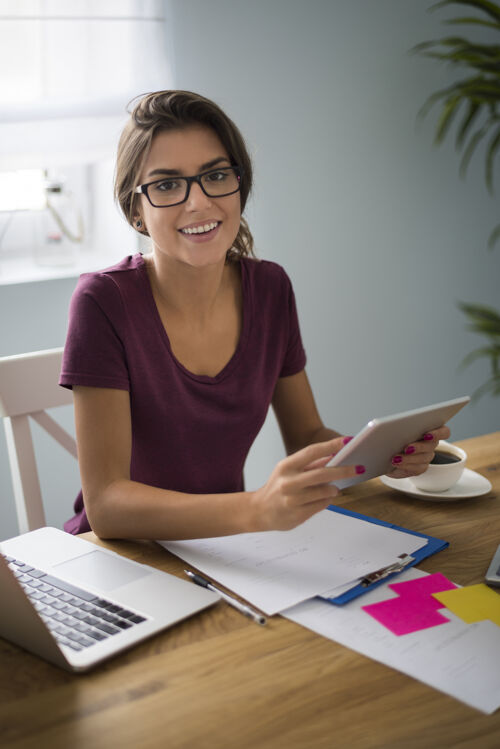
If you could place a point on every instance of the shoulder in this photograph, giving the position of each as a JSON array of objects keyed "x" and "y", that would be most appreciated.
[
  {"x": 108, "y": 283},
  {"x": 118, "y": 273},
  {"x": 266, "y": 274}
]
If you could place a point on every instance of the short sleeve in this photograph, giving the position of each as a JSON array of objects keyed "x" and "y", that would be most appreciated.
[
  {"x": 94, "y": 353},
  {"x": 295, "y": 356}
]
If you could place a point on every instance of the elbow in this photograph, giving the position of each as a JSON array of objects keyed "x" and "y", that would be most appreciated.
[
  {"x": 99, "y": 524},
  {"x": 100, "y": 508}
]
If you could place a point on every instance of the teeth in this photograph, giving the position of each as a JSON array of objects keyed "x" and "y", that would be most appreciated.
[{"x": 200, "y": 229}]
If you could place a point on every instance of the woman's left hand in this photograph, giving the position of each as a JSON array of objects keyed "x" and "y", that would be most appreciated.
[{"x": 416, "y": 456}]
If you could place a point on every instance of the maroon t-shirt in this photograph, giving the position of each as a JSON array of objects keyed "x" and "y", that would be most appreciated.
[{"x": 190, "y": 433}]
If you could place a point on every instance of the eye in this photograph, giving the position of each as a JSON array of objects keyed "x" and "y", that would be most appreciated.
[
  {"x": 167, "y": 185},
  {"x": 218, "y": 175}
]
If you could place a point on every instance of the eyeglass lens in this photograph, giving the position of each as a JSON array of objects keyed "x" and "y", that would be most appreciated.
[{"x": 215, "y": 183}]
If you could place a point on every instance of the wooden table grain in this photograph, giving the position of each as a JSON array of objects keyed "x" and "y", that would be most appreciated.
[{"x": 219, "y": 681}]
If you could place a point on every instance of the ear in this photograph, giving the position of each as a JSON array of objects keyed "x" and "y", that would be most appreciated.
[{"x": 138, "y": 223}]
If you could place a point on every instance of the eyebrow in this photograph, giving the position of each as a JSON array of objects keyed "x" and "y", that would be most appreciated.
[{"x": 177, "y": 173}]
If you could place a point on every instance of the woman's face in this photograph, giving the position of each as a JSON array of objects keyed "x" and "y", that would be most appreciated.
[{"x": 187, "y": 152}]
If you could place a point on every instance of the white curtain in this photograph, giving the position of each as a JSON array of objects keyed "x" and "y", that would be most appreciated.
[{"x": 67, "y": 72}]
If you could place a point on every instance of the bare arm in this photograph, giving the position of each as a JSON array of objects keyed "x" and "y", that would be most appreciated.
[
  {"x": 300, "y": 425},
  {"x": 297, "y": 414},
  {"x": 118, "y": 507}
]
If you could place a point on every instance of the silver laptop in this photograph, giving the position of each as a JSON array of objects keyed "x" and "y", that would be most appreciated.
[{"x": 76, "y": 604}]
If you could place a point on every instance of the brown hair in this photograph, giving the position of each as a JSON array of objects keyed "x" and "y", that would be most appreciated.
[{"x": 168, "y": 110}]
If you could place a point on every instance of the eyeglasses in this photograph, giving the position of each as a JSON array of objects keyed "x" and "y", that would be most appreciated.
[{"x": 169, "y": 191}]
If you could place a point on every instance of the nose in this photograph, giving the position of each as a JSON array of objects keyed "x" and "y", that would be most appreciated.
[{"x": 197, "y": 199}]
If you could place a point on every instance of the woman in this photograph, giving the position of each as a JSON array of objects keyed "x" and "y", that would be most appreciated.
[{"x": 174, "y": 357}]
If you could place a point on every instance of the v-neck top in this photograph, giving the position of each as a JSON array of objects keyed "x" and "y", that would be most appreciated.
[{"x": 190, "y": 433}]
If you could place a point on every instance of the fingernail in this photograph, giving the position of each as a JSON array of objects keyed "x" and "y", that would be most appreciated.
[
  {"x": 360, "y": 469},
  {"x": 428, "y": 436},
  {"x": 346, "y": 440},
  {"x": 409, "y": 450},
  {"x": 397, "y": 459}
]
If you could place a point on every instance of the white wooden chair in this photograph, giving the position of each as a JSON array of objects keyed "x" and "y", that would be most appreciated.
[{"x": 28, "y": 386}]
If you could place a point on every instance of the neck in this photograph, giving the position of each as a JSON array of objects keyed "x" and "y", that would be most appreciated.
[{"x": 186, "y": 291}]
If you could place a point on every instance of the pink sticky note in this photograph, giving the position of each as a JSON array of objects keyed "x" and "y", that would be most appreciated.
[
  {"x": 415, "y": 608},
  {"x": 423, "y": 587},
  {"x": 402, "y": 616}
]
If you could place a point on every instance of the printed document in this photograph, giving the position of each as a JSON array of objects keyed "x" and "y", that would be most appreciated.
[
  {"x": 460, "y": 659},
  {"x": 274, "y": 570}
]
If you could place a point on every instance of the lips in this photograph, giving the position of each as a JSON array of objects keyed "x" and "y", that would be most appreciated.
[{"x": 200, "y": 228}]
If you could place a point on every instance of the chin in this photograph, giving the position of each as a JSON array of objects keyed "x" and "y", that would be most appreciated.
[{"x": 202, "y": 257}]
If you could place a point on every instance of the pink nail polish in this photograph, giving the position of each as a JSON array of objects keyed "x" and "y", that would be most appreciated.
[
  {"x": 409, "y": 450},
  {"x": 428, "y": 436},
  {"x": 397, "y": 459},
  {"x": 346, "y": 440},
  {"x": 360, "y": 469}
]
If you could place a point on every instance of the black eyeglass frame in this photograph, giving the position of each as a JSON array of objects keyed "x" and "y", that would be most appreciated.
[{"x": 143, "y": 189}]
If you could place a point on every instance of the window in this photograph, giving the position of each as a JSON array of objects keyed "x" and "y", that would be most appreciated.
[
  {"x": 22, "y": 190},
  {"x": 67, "y": 72}
]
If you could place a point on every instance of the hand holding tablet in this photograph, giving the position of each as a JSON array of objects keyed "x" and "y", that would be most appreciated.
[{"x": 377, "y": 443}]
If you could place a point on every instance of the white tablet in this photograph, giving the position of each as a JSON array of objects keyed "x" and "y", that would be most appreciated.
[{"x": 381, "y": 439}]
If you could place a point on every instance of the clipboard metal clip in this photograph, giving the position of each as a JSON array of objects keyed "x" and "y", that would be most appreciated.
[{"x": 374, "y": 577}]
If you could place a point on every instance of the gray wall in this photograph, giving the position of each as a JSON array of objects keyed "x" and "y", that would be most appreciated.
[{"x": 378, "y": 233}]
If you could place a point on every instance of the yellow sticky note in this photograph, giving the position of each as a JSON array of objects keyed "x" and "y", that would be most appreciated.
[{"x": 472, "y": 603}]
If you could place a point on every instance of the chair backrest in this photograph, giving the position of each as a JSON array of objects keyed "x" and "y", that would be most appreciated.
[{"x": 28, "y": 386}]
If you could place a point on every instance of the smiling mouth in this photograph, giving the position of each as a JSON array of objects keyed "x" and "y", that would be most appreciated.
[{"x": 202, "y": 229}]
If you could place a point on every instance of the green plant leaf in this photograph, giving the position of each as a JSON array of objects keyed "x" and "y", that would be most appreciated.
[
  {"x": 490, "y": 158},
  {"x": 433, "y": 99},
  {"x": 481, "y": 93},
  {"x": 481, "y": 311},
  {"x": 491, "y": 9},
  {"x": 481, "y": 314},
  {"x": 417, "y": 49},
  {"x": 459, "y": 50},
  {"x": 480, "y": 88},
  {"x": 471, "y": 147},
  {"x": 474, "y": 21},
  {"x": 479, "y": 353},
  {"x": 449, "y": 111},
  {"x": 482, "y": 319},
  {"x": 494, "y": 237},
  {"x": 471, "y": 115},
  {"x": 490, "y": 386}
]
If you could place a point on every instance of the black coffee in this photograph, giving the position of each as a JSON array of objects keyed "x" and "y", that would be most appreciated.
[{"x": 442, "y": 458}]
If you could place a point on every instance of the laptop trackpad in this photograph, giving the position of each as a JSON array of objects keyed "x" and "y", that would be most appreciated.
[{"x": 100, "y": 570}]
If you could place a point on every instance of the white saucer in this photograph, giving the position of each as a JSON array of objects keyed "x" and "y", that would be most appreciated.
[{"x": 471, "y": 484}]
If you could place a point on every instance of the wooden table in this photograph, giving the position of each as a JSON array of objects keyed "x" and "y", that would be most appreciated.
[{"x": 219, "y": 681}]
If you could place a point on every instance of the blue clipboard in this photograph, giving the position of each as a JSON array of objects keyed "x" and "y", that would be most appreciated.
[{"x": 432, "y": 546}]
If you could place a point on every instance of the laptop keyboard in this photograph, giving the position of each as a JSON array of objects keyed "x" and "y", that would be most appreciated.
[{"x": 76, "y": 618}]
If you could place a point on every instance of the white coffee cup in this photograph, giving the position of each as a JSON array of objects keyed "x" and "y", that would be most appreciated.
[{"x": 442, "y": 476}]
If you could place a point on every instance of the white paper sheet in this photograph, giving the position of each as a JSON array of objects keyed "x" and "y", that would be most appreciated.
[
  {"x": 461, "y": 660},
  {"x": 277, "y": 569}
]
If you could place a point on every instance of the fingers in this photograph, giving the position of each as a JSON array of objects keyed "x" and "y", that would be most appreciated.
[
  {"x": 320, "y": 493},
  {"x": 415, "y": 457},
  {"x": 442, "y": 433},
  {"x": 304, "y": 478},
  {"x": 320, "y": 463},
  {"x": 407, "y": 472},
  {"x": 305, "y": 512},
  {"x": 305, "y": 487},
  {"x": 302, "y": 485},
  {"x": 300, "y": 460},
  {"x": 325, "y": 476},
  {"x": 428, "y": 441}
]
